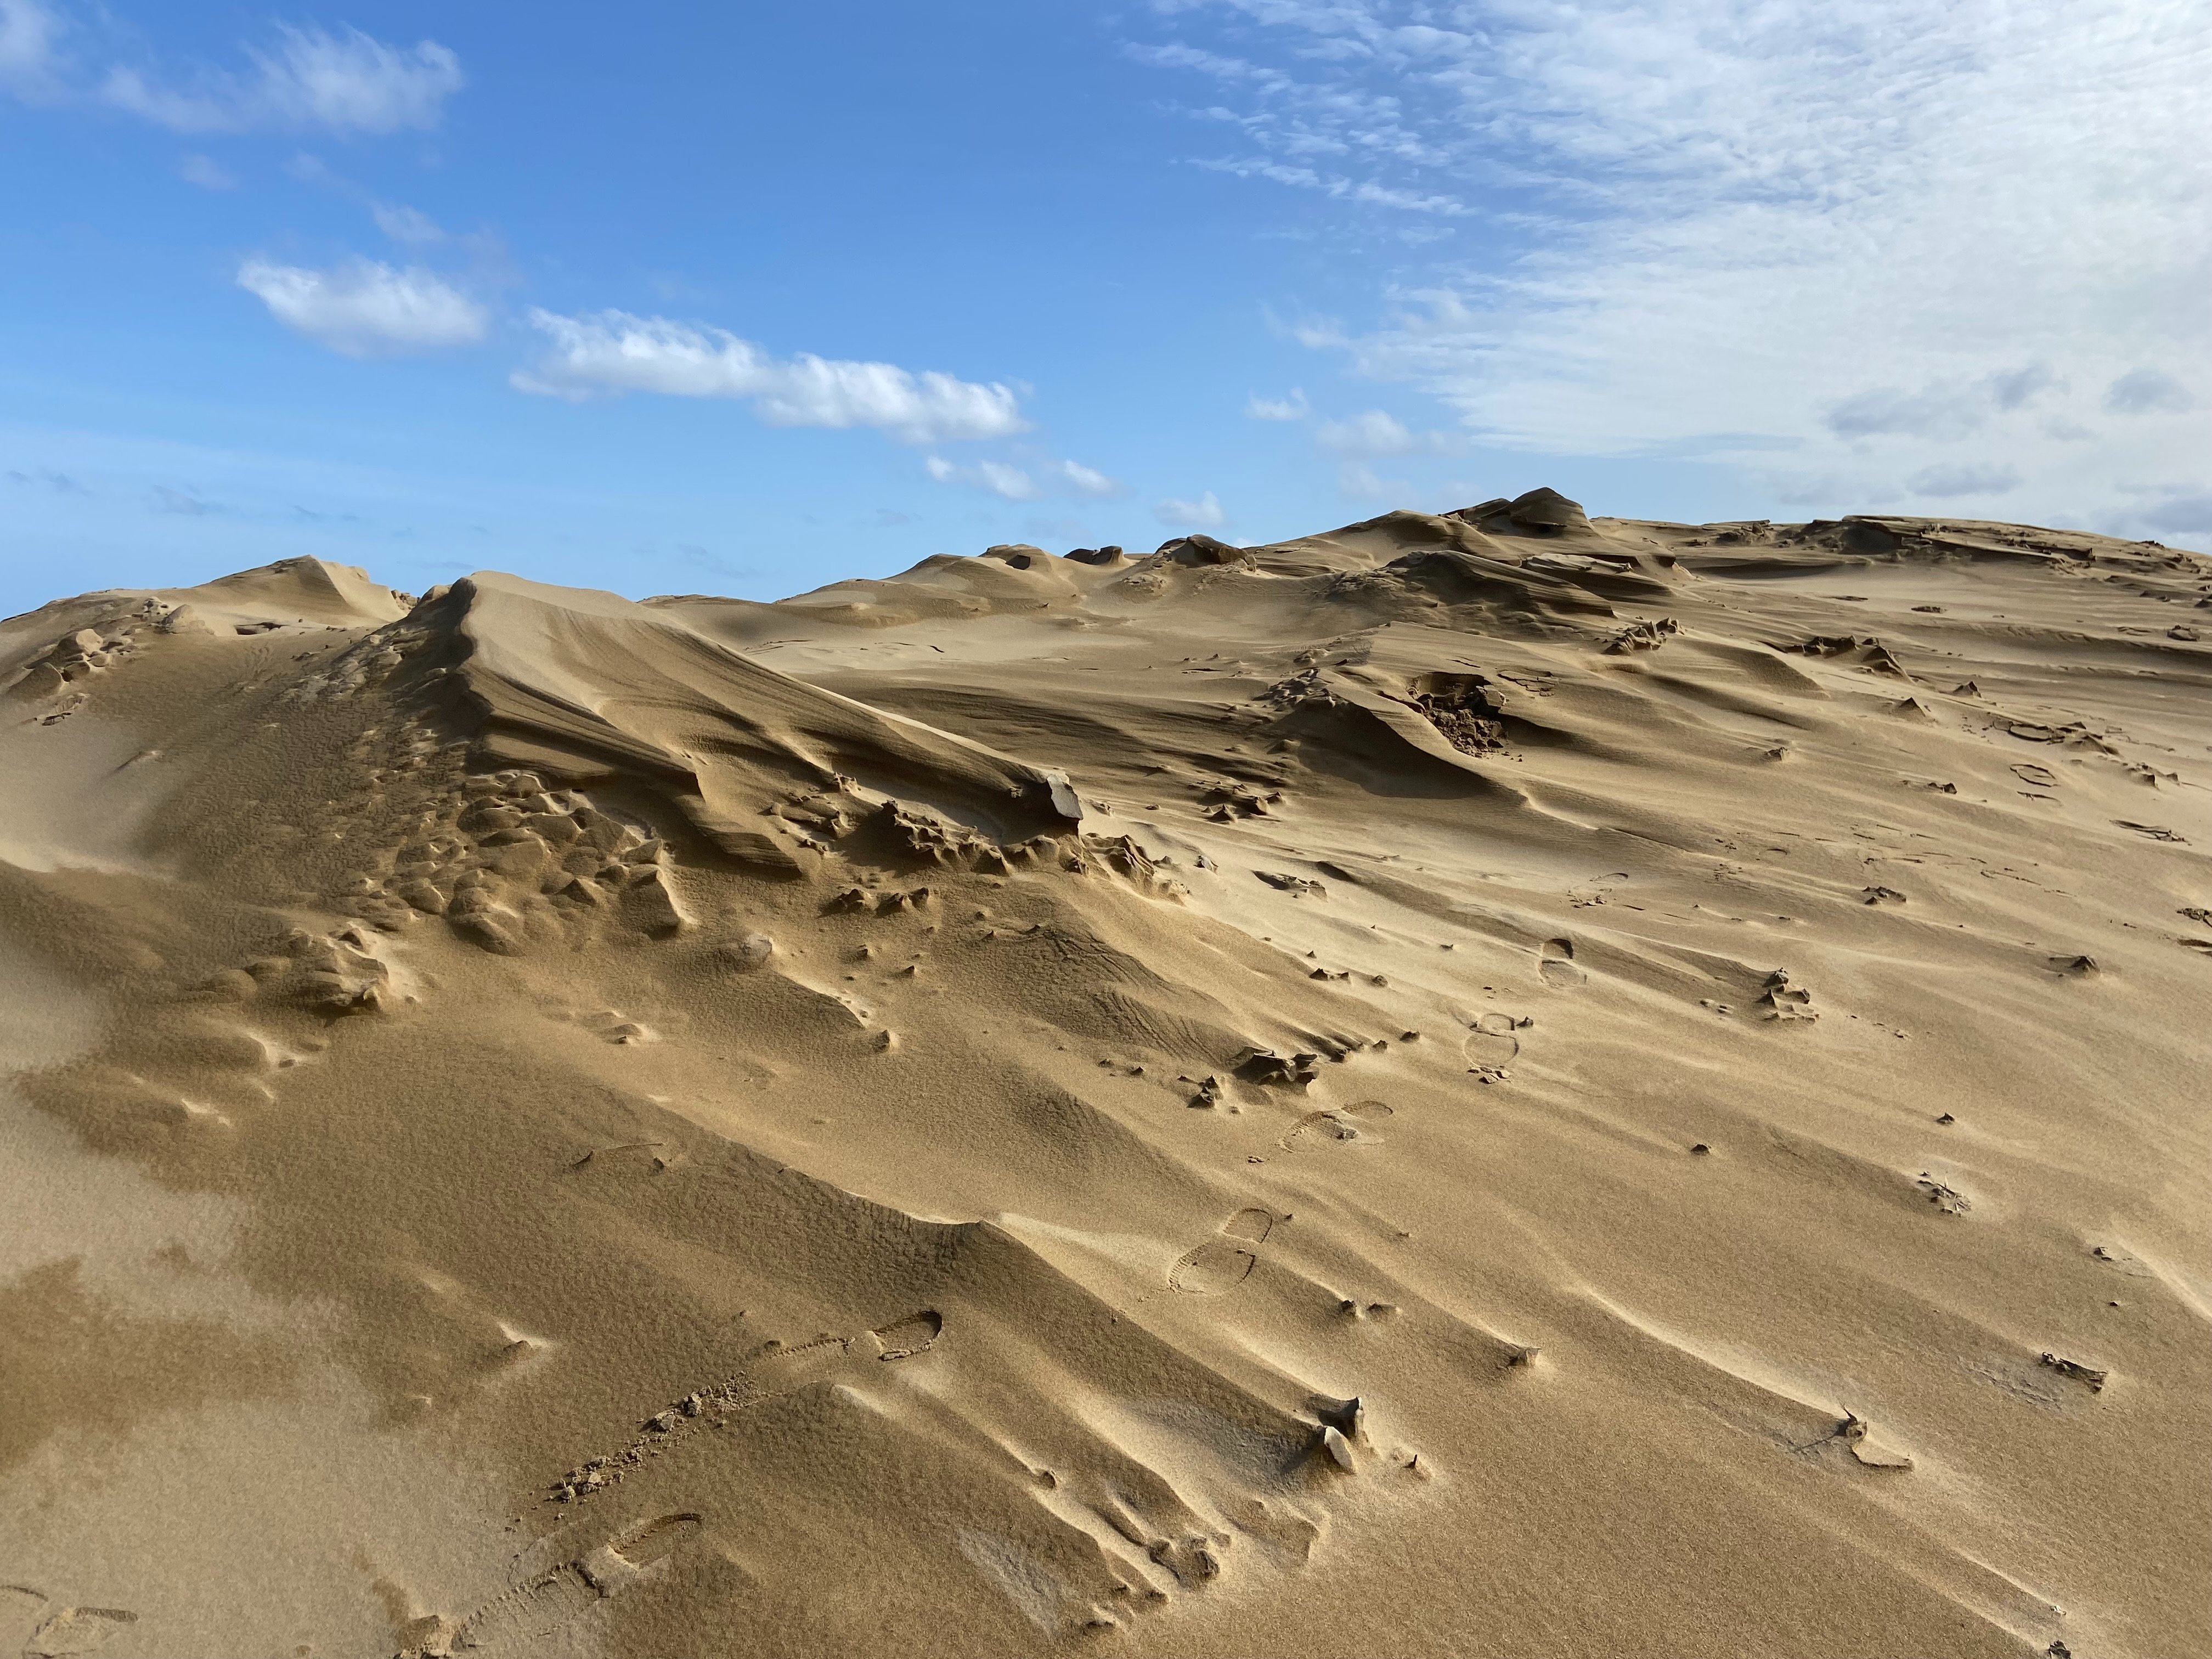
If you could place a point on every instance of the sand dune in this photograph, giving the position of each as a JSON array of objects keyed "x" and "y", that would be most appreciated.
[{"x": 1502, "y": 1084}]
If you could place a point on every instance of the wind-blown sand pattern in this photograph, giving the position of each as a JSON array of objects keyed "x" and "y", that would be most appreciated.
[{"x": 1500, "y": 1083}]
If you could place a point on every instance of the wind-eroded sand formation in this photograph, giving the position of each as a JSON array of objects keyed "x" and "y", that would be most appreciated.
[{"x": 1489, "y": 1085}]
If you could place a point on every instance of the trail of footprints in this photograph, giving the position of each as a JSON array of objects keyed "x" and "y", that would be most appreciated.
[
  {"x": 776, "y": 1369},
  {"x": 530, "y": 1612},
  {"x": 533, "y": 1611}
]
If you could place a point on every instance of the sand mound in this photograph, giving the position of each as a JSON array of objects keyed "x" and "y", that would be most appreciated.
[
  {"x": 1500, "y": 1082},
  {"x": 587, "y": 688}
]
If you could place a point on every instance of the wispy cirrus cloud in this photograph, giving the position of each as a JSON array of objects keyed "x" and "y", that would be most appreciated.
[
  {"x": 365, "y": 308},
  {"x": 1836, "y": 229},
  {"x": 29, "y": 33},
  {"x": 613, "y": 352},
  {"x": 307, "y": 78}
]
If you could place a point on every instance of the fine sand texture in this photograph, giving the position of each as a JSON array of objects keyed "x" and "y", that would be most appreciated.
[{"x": 1502, "y": 1084}]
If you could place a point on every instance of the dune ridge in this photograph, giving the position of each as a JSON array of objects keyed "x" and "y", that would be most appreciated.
[{"x": 1493, "y": 1083}]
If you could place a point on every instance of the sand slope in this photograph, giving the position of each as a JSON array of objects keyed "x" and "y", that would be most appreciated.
[{"x": 1502, "y": 1084}]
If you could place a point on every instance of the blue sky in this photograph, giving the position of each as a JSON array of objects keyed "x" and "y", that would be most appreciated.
[{"x": 747, "y": 299}]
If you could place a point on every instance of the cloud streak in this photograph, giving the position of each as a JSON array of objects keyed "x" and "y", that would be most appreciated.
[
  {"x": 308, "y": 78},
  {"x": 1015, "y": 483},
  {"x": 365, "y": 308},
  {"x": 27, "y": 33},
  {"x": 1841, "y": 230},
  {"x": 995, "y": 477},
  {"x": 613, "y": 352},
  {"x": 407, "y": 224},
  {"x": 1376, "y": 433},
  {"x": 1292, "y": 408},
  {"x": 1089, "y": 481}
]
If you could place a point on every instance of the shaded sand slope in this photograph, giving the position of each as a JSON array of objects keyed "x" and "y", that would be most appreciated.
[{"x": 1503, "y": 1084}]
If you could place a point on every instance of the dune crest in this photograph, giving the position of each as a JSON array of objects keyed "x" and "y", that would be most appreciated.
[{"x": 1517, "y": 1081}]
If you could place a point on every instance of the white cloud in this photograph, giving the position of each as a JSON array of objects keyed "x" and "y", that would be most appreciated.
[
  {"x": 206, "y": 172},
  {"x": 1292, "y": 408},
  {"x": 344, "y": 82},
  {"x": 1358, "y": 482},
  {"x": 1964, "y": 478},
  {"x": 994, "y": 476},
  {"x": 1015, "y": 485},
  {"x": 365, "y": 308},
  {"x": 1088, "y": 481},
  {"x": 1204, "y": 513},
  {"x": 1376, "y": 433},
  {"x": 406, "y": 224},
  {"x": 1373, "y": 433},
  {"x": 2146, "y": 392},
  {"x": 1364, "y": 192},
  {"x": 1709, "y": 220},
  {"x": 27, "y": 33},
  {"x": 615, "y": 352}
]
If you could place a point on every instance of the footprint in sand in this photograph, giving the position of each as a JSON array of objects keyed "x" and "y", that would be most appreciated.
[
  {"x": 1556, "y": 964},
  {"x": 611, "y": 1025},
  {"x": 1493, "y": 1042},
  {"x": 787, "y": 1368},
  {"x": 653, "y": 1541},
  {"x": 649, "y": 1157},
  {"x": 1336, "y": 1123},
  {"x": 516, "y": 1622},
  {"x": 1224, "y": 1263},
  {"x": 1596, "y": 890},
  {"x": 74, "y": 1630},
  {"x": 909, "y": 1336},
  {"x": 526, "y": 1616}
]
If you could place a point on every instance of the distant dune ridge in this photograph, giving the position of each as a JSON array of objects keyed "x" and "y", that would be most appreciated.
[{"x": 1504, "y": 1083}]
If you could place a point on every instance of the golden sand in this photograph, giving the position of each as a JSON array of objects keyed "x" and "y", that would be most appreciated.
[{"x": 1490, "y": 1085}]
